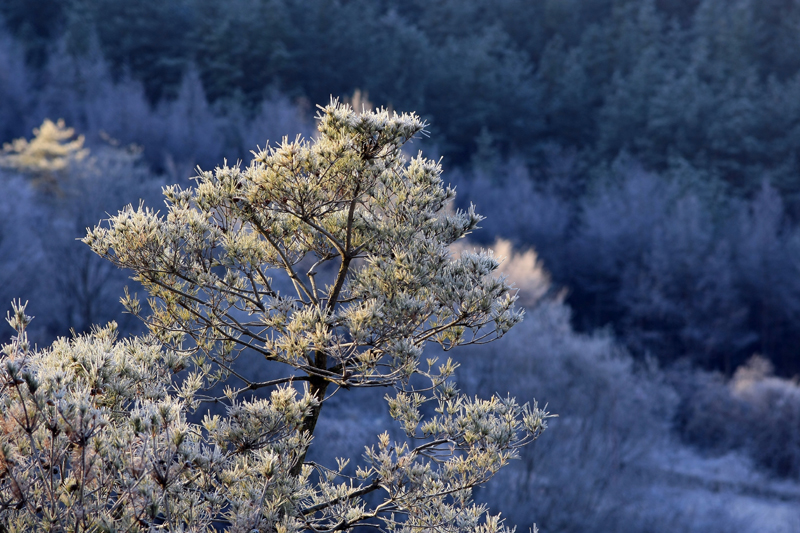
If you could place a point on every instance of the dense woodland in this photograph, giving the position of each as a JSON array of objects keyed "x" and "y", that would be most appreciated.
[{"x": 647, "y": 150}]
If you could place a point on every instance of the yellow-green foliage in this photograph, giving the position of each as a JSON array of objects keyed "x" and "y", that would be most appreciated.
[
  {"x": 331, "y": 260},
  {"x": 50, "y": 152}
]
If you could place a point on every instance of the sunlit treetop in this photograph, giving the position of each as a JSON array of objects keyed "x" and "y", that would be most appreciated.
[
  {"x": 53, "y": 147},
  {"x": 360, "y": 234}
]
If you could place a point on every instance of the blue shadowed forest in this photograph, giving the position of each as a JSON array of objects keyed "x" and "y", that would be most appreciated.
[{"x": 637, "y": 162}]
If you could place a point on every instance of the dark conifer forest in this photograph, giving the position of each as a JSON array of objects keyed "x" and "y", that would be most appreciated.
[{"x": 637, "y": 161}]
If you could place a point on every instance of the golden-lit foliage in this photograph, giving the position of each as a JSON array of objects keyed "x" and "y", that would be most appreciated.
[
  {"x": 331, "y": 260},
  {"x": 53, "y": 148}
]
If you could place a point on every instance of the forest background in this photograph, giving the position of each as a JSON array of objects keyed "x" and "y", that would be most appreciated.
[{"x": 646, "y": 150}]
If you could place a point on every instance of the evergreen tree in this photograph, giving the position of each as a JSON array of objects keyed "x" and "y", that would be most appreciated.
[
  {"x": 47, "y": 156},
  {"x": 94, "y": 431}
]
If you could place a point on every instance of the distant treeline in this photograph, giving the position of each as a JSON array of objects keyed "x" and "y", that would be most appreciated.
[{"x": 713, "y": 84}]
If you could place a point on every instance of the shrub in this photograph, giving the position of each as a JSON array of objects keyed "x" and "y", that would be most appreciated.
[{"x": 754, "y": 411}]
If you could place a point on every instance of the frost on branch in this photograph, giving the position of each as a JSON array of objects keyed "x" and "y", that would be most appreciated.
[{"x": 330, "y": 258}]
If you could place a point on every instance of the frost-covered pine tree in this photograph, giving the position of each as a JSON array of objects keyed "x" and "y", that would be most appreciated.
[
  {"x": 329, "y": 259},
  {"x": 53, "y": 148}
]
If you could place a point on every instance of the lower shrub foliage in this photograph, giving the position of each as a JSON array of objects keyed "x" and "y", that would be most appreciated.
[
  {"x": 95, "y": 437},
  {"x": 755, "y": 412}
]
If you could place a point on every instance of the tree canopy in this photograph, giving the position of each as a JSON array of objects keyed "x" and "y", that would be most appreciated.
[{"x": 329, "y": 258}]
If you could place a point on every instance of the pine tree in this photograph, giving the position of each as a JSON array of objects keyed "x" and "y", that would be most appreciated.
[
  {"x": 329, "y": 259},
  {"x": 45, "y": 157}
]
